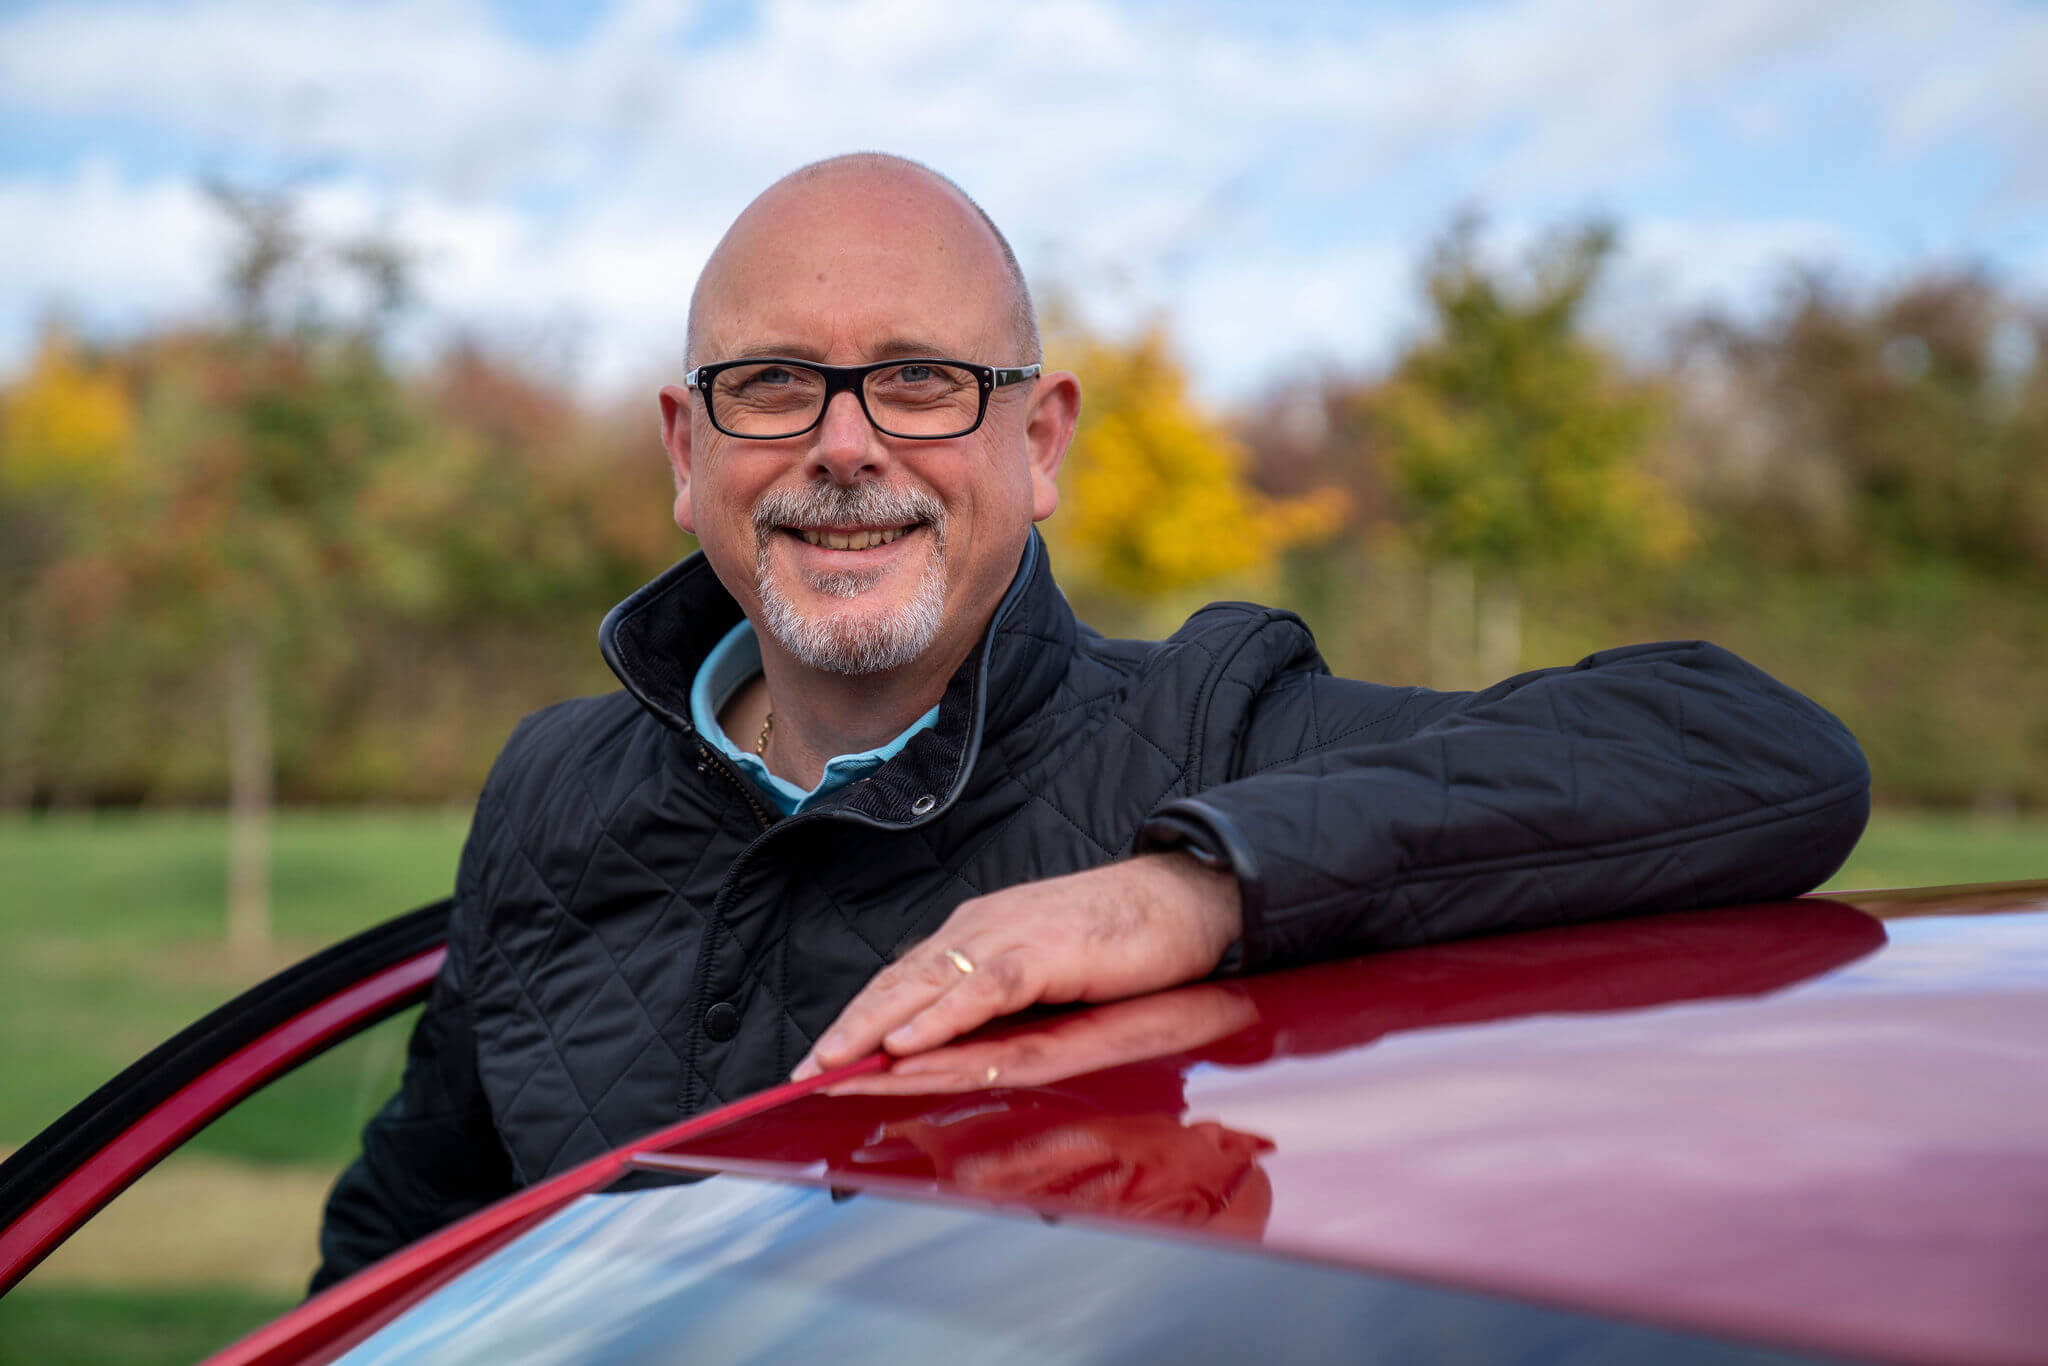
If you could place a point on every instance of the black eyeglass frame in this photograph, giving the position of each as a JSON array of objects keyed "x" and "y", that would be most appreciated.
[{"x": 844, "y": 378}]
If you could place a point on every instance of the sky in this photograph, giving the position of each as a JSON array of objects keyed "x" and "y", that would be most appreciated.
[{"x": 1265, "y": 180}]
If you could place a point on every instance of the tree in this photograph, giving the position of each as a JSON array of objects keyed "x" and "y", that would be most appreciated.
[
  {"x": 263, "y": 439},
  {"x": 1156, "y": 494},
  {"x": 67, "y": 432},
  {"x": 1514, "y": 442},
  {"x": 1909, "y": 426}
]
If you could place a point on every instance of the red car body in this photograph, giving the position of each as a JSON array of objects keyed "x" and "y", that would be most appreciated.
[{"x": 1820, "y": 1125}]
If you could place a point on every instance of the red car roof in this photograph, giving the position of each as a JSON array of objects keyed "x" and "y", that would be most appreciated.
[{"x": 1793, "y": 1123}]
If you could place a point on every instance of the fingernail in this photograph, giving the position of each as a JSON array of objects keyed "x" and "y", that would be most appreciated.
[
  {"x": 899, "y": 1036},
  {"x": 807, "y": 1068}
]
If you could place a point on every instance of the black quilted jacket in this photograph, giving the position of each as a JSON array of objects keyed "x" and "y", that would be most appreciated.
[{"x": 637, "y": 936}]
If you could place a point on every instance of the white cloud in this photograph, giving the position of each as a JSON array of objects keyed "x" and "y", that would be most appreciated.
[
  {"x": 104, "y": 252},
  {"x": 1241, "y": 323},
  {"x": 1270, "y": 192}
]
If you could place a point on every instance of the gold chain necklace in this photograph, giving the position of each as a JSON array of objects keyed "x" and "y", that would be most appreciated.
[{"x": 761, "y": 745}]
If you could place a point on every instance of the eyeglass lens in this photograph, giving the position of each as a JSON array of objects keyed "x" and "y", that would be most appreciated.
[{"x": 774, "y": 399}]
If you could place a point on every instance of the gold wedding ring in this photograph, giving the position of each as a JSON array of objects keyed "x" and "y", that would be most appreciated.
[{"x": 960, "y": 960}]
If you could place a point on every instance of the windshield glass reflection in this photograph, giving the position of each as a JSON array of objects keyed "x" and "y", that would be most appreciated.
[{"x": 734, "y": 1269}]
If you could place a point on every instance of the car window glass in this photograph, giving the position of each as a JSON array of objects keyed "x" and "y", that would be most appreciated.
[
  {"x": 221, "y": 1236},
  {"x": 737, "y": 1269}
]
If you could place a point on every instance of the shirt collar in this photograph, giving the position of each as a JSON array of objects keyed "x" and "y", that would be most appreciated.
[{"x": 732, "y": 661}]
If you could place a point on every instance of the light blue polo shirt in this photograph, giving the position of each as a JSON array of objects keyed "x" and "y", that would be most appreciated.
[{"x": 737, "y": 658}]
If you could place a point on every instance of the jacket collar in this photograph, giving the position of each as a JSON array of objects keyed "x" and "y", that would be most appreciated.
[{"x": 656, "y": 639}]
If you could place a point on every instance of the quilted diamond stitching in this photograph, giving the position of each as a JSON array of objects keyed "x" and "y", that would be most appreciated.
[
  {"x": 617, "y": 1081},
  {"x": 1181, "y": 765},
  {"x": 554, "y": 1045},
  {"x": 566, "y": 917},
  {"x": 1083, "y": 831}
]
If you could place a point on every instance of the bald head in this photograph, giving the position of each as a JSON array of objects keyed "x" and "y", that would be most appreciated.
[{"x": 813, "y": 221}]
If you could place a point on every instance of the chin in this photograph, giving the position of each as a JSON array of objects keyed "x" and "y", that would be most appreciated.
[{"x": 844, "y": 629}]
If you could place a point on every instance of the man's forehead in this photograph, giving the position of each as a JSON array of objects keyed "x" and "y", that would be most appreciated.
[
  {"x": 855, "y": 323},
  {"x": 881, "y": 263}
]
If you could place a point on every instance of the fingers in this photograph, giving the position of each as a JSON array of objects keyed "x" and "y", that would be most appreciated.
[
  {"x": 996, "y": 987},
  {"x": 921, "y": 1001},
  {"x": 1053, "y": 1050},
  {"x": 1098, "y": 935},
  {"x": 896, "y": 993}
]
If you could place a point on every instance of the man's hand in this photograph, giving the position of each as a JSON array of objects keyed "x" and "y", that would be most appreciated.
[
  {"x": 1115, "y": 931},
  {"x": 1091, "y": 1041}
]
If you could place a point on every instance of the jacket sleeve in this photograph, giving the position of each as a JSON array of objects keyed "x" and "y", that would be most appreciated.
[
  {"x": 1358, "y": 817},
  {"x": 432, "y": 1154}
]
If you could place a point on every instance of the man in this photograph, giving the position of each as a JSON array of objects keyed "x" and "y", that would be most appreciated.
[{"x": 870, "y": 784}]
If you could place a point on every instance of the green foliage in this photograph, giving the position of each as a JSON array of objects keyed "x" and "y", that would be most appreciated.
[
  {"x": 1935, "y": 669},
  {"x": 1513, "y": 439},
  {"x": 403, "y": 563},
  {"x": 1853, "y": 487},
  {"x": 1908, "y": 426}
]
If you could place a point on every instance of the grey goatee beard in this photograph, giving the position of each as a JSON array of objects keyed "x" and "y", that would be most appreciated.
[{"x": 851, "y": 642}]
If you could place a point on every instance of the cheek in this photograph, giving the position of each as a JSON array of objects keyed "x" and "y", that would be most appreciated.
[
  {"x": 721, "y": 504},
  {"x": 997, "y": 494}
]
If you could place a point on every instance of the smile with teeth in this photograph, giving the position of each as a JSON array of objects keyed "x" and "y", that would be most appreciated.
[{"x": 852, "y": 540}]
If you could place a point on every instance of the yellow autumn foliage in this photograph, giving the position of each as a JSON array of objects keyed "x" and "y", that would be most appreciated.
[
  {"x": 64, "y": 423},
  {"x": 1154, "y": 492}
]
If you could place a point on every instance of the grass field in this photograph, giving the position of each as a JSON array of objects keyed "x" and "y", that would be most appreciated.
[
  {"x": 1919, "y": 849},
  {"x": 110, "y": 936},
  {"x": 110, "y": 941}
]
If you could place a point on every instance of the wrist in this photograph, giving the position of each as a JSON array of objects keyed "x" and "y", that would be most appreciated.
[{"x": 1206, "y": 896}]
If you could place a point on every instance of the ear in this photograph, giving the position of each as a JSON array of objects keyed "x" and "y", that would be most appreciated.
[
  {"x": 675, "y": 437},
  {"x": 1049, "y": 426}
]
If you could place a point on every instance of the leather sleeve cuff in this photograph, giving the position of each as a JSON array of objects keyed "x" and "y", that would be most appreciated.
[{"x": 1210, "y": 837}]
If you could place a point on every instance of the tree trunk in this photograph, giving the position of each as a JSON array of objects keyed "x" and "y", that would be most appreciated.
[
  {"x": 23, "y": 687},
  {"x": 1500, "y": 629},
  {"x": 250, "y": 795},
  {"x": 1451, "y": 591}
]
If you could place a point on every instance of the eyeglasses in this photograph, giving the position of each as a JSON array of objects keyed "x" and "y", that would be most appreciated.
[{"x": 772, "y": 398}]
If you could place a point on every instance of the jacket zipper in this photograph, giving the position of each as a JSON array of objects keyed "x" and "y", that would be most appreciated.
[{"x": 707, "y": 760}]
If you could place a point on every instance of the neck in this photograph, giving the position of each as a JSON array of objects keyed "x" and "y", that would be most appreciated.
[{"x": 821, "y": 715}]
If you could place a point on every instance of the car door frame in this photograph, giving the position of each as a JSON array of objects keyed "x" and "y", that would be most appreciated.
[{"x": 70, "y": 1171}]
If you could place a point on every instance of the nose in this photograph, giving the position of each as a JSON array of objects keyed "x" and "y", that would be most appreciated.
[{"x": 846, "y": 446}]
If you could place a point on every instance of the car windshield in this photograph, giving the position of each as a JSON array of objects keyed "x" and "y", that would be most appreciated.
[{"x": 739, "y": 1269}]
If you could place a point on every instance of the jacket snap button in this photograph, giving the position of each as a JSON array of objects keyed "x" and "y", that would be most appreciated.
[
  {"x": 923, "y": 804},
  {"x": 721, "y": 1022}
]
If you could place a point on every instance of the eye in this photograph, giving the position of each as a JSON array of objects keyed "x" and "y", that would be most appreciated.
[
  {"x": 917, "y": 381},
  {"x": 767, "y": 387},
  {"x": 766, "y": 377}
]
